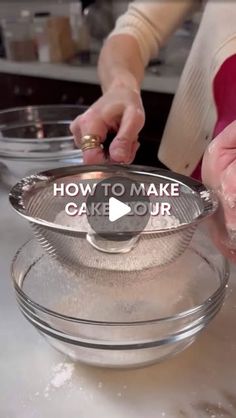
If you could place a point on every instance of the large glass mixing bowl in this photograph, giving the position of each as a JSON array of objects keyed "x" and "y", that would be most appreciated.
[{"x": 121, "y": 318}]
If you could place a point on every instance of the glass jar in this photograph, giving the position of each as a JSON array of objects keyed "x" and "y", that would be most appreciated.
[
  {"x": 18, "y": 39},
  {"x": 41, "y": 35}
]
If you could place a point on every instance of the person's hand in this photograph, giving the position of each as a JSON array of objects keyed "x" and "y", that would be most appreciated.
[
  {"x": 119, "y": 110},
  {"x": 219, "y": 174}
]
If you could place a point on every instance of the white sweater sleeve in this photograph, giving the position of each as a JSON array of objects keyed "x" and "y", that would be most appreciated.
[{"x": 152, "y": 22}]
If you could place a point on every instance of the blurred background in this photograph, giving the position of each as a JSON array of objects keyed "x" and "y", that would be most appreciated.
[{"x": 49, "y": 51}]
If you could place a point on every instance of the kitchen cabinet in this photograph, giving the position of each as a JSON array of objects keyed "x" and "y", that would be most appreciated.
[
  {"x": 27, "y": 91},
  {"x": 18, "y": 90}
]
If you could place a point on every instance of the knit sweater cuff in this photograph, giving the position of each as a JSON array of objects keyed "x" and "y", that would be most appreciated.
[
  {"x": 152, "y": 22},
  {"x": 136, "y": 27}
]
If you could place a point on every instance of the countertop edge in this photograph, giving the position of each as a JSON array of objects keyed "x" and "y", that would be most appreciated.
[{"x": 83, "y": 74}]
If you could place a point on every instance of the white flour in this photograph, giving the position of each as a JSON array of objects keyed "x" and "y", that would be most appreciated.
[
  {"x": 125, "y": 296},
  {"x": 62, "y": 374}
]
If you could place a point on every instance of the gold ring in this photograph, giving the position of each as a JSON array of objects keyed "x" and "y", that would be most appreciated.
[{"x": 90, "y": 142}]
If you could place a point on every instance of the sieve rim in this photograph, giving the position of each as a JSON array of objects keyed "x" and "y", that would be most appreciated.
[{"x": 16, "y": 196}]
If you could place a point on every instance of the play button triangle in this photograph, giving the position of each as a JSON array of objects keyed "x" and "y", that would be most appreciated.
[{"x": 117, "y": 209}]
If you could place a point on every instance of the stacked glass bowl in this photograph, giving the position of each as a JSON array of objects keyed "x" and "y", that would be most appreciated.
[{"x": 36, "y": 138}]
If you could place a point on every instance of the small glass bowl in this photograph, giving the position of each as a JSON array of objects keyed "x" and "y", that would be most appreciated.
[
  {"x": 37, "y": 138},
  {"x": 121, "y": 319}
]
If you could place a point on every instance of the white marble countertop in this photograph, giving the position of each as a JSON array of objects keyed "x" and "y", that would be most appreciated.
[
  {"x": 166, "y": 82},
  {"x": 198, "y": 383}
]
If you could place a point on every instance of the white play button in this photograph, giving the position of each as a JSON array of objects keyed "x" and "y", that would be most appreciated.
[
  {"x": 117, "y": 209},
  {"x": 114, "y": 215}
]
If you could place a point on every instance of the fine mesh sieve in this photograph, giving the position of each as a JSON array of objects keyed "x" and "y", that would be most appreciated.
[{"x": 74, "y": 242}]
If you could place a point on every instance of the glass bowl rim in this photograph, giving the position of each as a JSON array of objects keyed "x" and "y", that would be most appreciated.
[{"x": 8, "y": 111}]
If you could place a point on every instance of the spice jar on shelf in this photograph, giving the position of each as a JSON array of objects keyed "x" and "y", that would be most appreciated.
[
  {"x": 53, "y": 37},
  {"x": 19, "y": 38}
]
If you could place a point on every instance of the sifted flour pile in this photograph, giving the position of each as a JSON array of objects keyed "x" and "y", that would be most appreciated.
[{"x": 125, "y": 296}]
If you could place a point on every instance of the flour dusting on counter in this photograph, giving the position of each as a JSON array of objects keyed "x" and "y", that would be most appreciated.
[{"x": 62, "y": 374}]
